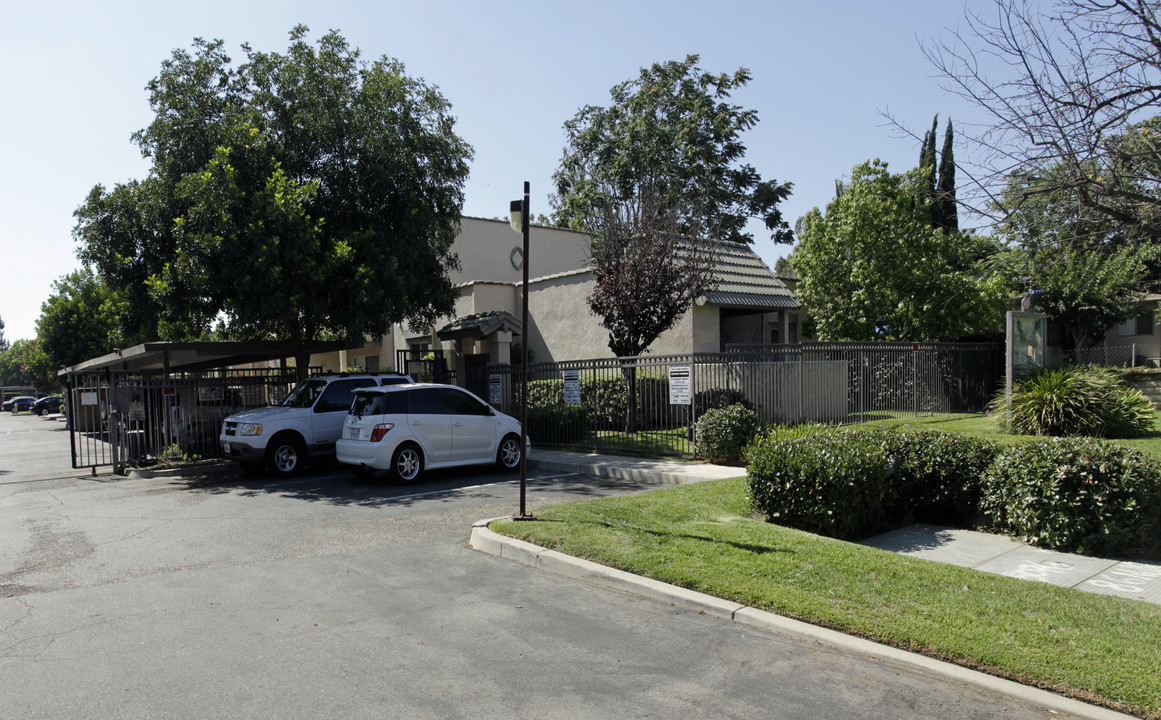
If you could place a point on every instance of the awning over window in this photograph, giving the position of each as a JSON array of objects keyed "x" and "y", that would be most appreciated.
[{"x": 480, "y": 325}]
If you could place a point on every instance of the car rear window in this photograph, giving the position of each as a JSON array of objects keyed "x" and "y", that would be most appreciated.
[{"x": 379, "y": 404}]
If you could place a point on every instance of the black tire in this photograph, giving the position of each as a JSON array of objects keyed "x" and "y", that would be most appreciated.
[
  {"x": 508, "y": 454},
  {"x": 407, "y": 463},
  {"x": 285, "y": 455}
]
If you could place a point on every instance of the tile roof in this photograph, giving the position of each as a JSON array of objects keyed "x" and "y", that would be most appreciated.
[{"x": 745, "y": 281}]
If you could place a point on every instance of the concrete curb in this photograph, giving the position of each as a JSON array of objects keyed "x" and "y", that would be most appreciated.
[{"x": 484, "y": 540}]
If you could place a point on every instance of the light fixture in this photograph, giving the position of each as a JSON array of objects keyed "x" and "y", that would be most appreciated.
[{"x": 516, "y": 214}]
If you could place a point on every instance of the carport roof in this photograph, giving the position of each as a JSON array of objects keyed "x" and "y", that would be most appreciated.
[{"x": 178, "y": 356}]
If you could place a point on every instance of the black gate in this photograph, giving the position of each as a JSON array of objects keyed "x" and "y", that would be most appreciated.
[{"x": 135, "y": 418}]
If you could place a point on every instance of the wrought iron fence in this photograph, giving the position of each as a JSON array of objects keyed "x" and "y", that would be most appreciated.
[
  {"x": 651, "y": 404},
  {"x": 122, "y": 418}
]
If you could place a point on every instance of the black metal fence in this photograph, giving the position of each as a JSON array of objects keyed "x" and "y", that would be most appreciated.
[
  {"x": 124, "y": 418},
  {"x": 651, "y": 404}
]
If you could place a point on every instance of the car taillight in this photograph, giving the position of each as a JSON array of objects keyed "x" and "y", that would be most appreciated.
[{"x": 380, "y": 430}]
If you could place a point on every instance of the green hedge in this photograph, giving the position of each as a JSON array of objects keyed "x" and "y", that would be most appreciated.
[
  {"x": 1071, "y": 494},
  {"x": 722, "y": 434},
  {"x": 605, "y": 400},
  {"x": 852, "y": 483},
  {"x": 1076, "y": 494},
  {"x": 831, "y": 484},
  {"x": 560, "y": 424}
]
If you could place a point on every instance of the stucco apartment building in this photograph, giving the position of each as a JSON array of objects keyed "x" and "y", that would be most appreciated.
[{"x": 750, "y": 305}]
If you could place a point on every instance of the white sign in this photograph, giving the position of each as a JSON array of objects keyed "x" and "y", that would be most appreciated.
[
  {"x": 572, "y": 387},
  {"x": 680, "y": 385},
  {"x": 88, "y": 398},
  {"x": 495, "y": 390}
]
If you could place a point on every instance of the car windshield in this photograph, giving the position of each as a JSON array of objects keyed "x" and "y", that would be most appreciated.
[{"x": 305, "y": 394}]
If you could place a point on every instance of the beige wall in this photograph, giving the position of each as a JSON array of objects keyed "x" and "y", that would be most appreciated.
[{"x": 485, "y": 249}]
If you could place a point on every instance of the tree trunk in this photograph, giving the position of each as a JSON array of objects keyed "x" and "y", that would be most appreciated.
[{"x": 629, "y": 372}]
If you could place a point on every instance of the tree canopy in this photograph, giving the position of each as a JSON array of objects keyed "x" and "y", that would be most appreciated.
[
  {"x": 305, "y": 195},
  {"x": 874, "y": 267},
  {"x": 80, "y": 320},
  {"x": 671, "y": 140},
  {"x": 1082, "y": 268}
]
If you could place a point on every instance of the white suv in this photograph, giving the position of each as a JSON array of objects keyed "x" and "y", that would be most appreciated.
[
  {"x": 305, "y": 426},
  {"x": 406, "y": 429}
]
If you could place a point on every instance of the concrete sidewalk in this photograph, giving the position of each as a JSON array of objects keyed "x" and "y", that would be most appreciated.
[
  {"x": 1004, "y": 556},
  {"x": 644, "y": 470}
]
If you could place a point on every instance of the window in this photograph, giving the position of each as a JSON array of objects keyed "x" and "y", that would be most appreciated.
[
  {"x": 340, "y": 393},
  {"x": 460, "y": 403},
  {"x": 1140, "y": 325},
  {"x": 425, "y": 401}
]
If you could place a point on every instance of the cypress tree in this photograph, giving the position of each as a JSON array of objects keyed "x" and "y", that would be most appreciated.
[
  {"x": 927, "y": 161},
  {"x": 945, "y": 213}
]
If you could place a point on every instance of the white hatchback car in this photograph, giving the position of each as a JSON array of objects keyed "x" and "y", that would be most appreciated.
[{"x": 406, "y": 429}]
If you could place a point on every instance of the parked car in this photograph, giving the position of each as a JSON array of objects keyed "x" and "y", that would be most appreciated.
[
  {"x": 305, "y": 426},
  {"x": 407, "y": 429},
  {"x": 20, "y": 403},
  {"x": 48, "y": 405}
]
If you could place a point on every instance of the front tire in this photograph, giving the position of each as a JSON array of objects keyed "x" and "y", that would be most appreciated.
[
  {"x": 285, "y": 455},
  {"x": 407, "y": 463},
  {"x": 508, "y": 454}
]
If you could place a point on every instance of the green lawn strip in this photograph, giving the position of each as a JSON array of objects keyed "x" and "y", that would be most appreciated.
[{"x": 703, "y": 537}]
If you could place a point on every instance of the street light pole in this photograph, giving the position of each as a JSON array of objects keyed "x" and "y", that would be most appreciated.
[{"x": 521, "y": 206}]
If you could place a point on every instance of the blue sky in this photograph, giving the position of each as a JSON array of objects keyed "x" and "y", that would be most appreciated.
[{"x": 74, "y": 75}]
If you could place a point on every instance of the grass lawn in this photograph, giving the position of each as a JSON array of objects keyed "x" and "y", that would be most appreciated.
[{"x": 704, "y": 537}]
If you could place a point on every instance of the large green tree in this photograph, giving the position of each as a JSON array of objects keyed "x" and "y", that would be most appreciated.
[
  {"x": 874, "y": 268},
  {"x": 23, "y": 363},
  {"x": 305, "y": 195},
  {"x": 81, "y": 319},
  {"x": 3, "y": 342},
  {"x": 669, "y": 139},
  {"x": 1082, "y": 268}
]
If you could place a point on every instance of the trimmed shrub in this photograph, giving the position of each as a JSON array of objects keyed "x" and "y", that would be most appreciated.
[
  {"x": 717, "y": 398},
  {"x": 938, "y": 477},
  {"x": 832, "y": 484},
  {"x": 851, "y": 483},
  {"x": 1076, "y": 495},
  {"x": 723, "y": 434},
  {"x": 560, "y": 424},
  {"x": 1078, "y": 400}
]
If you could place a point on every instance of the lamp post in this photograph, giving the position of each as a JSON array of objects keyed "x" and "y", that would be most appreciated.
[{"x": 518, "y": 217}]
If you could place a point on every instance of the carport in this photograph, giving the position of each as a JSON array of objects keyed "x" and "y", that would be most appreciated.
[{"x": 166, "y": 400}]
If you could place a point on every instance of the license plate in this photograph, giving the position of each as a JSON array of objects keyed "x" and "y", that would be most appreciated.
[
  {"x": 226, "y": 447},
  {"x": 350, "y": 433}
]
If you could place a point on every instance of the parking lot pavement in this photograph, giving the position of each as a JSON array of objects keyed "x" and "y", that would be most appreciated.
[{"x": 209, "y": 595}]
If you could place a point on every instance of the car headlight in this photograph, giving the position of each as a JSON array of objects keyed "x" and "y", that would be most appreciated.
[{"x": 250, "y": 429}]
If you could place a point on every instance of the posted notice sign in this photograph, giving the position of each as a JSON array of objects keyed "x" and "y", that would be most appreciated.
[
  {"x": 495, "y": 390},
  {"x": 680, "y": 385},
  {"x": 572, "y": 387}
]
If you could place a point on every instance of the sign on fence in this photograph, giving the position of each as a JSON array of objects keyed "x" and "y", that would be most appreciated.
[
  {"x": 680, "y": 385},
  {"x": 572, "y": 387},
  {"x": 495, "y": 390}
]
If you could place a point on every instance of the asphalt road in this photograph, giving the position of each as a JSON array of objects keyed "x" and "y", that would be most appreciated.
[{"x": 217, "y": 595}]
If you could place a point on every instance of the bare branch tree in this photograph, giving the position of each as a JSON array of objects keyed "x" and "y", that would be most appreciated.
[{"x": 1070, "y": 94}]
